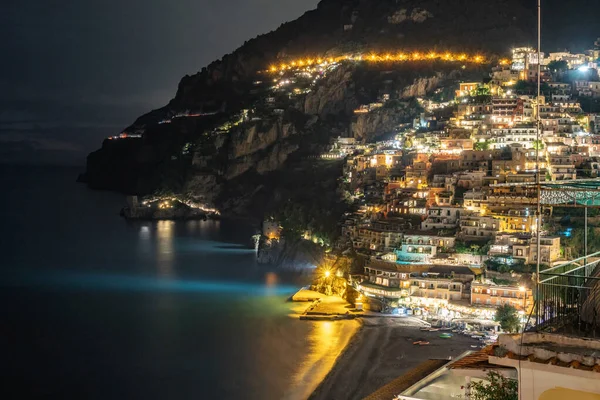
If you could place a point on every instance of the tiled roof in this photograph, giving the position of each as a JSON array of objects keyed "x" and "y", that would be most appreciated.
[
  {"x": 405, "y": 381},
  {"x": 551, "y": 349},
  {"x": 554, "y": 361},
  {"x": 476, "y": 360}
]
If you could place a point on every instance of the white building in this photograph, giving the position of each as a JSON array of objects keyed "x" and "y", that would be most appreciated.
[
  {"x": 552, "y": 366},
  {"x": 423, "y": 247},
  {"x": 441, "y": 217},
  {"x": 524, "y": 136}
]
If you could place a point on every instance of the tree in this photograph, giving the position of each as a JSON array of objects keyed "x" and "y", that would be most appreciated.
[
  {"x": 538, "y": 145},
  {"x": 497, "y": 387},
  {"x": 558, "y": 66},
  {"x": 485, "y": 145},
  {"x": 508, "y": 318},
  {"x": 480, "y": 90}
]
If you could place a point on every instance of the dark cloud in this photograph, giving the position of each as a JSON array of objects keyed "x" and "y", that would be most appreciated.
[{"x": 83, "y": 69}]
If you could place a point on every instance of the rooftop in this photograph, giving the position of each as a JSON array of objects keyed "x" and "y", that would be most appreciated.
[
  {"x": 457, "y": 269},
  {"x": 476, "y": 360},
  {"x": 552, "y": 349},
  {"x": 381, "y": 287}
]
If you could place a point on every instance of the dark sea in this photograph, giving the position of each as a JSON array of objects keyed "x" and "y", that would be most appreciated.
[{"x": 96, "y": 307}]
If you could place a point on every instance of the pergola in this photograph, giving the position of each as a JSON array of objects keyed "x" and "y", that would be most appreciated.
[
  {"x": 568, "y": 295},
  {"x": 580, "y": 193}
]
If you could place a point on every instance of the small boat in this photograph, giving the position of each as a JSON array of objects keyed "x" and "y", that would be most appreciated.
[
  {"x": 423, "y": 343},
  {"x": 446, "y": 335},
  {"x": 433, "y": 329}
]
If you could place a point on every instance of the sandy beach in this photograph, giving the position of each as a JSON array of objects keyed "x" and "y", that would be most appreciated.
[
  {"x": 380, "y": 351},
  {"x": 325, "y": 344}
]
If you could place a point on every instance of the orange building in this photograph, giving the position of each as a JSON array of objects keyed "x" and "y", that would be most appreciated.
[
  {"x": 489, "y": 294},
  {"x": 465, "y": 88}
]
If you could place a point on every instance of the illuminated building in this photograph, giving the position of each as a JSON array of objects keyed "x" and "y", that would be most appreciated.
[
  {"x": 549, "y": 250},
  {"x": 475, "y": 226},
  {"x": 493, "y": 295},
  {"x": 423, "y": 247},
  {"x": 524, "y": 136},
  {"x": 466, "y": 88},
  {"x": 441, "y": 217},
  {"x": 523, "y": 57},
  {"x": 430, "y": 286}
]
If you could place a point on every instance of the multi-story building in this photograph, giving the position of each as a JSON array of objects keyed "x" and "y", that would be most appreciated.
[
  {"x": 561, "y": 168},
  {"x": 465, "y": 88},
  {"x": 385, "y": 280},
  {"x": 376, "y": 239},
  {"x": 458, "y": 145},
  {"x": 504, "y": 76},
  {"x": 477, "y": 226},
  {"x": 573, "y": 60},
  {"x": 560, "y": 88},
  {"x": 473, "y": 115},
  {"x": 431, "y": 286},
  {"x": 523, "y": 57},
  {"x": 595, "y": 89},
  {"x": 549, "y": 250},
  {"x": 504, "y": 110},
  {"x": 568, "y": 106},
  {"x": 470, "y": 179},
  {"x": 441, "y": 217},
  {"x": 522, "y": 136},
  {"x": 548, "y": 111},
  {"x": 474, "y": 200},
  {"x": 491, "y": 295},
  {"x": 478, "y": 159},
  {"x": 517, "y": 219},
  {"x": 582, "y": 88},
  {"x": 423, "y": 247}
]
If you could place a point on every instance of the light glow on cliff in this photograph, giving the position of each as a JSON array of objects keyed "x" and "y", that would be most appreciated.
[{"x": 387, "y": 57}]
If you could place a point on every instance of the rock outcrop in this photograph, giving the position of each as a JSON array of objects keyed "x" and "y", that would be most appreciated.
[
  {"x": 367, "y": 127},
  {"x": 421, "y": 86},
  {"x": 334, "y": 96}
]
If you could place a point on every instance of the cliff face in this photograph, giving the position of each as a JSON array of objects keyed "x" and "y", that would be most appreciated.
[
  {"x": 334, "y": 96},
  {"x": 367, "y": 127}
]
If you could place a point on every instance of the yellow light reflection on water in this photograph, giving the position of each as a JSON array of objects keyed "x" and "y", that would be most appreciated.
[
  {"x": 326, "y": 342},
  {"x": 164, "y": 248}
]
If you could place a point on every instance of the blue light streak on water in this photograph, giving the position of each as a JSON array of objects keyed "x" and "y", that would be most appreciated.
[
  {"x": 205, "y": 246},
  {"x": 114, "y": 282}
]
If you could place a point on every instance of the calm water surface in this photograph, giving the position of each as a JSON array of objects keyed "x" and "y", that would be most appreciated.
[{"x": 92, "y": 306}]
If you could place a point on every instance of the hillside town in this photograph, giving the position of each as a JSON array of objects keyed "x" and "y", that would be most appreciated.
[{"x": 444, "y": 211}]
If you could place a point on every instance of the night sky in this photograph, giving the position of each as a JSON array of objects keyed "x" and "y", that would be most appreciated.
[{"x": 76, "y": 71}]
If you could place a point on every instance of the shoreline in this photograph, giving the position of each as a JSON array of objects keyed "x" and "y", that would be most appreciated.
[
  {"x": 380, "y": 351},
  {"x": 349, "y": 352}
]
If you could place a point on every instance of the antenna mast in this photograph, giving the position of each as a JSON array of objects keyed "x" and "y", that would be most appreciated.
[{"x": 538, "y": 141}]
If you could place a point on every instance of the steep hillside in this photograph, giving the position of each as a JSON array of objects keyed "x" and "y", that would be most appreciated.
[{"x": 233, "y": 123}]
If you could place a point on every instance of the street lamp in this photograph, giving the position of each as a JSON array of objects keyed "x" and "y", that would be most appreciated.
[
  {"x": 524, "y": 291},
  {"x": 327, "y": 273}
]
